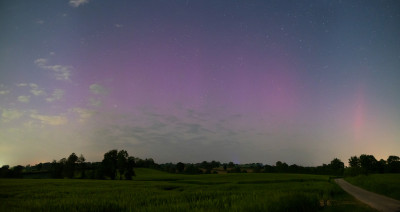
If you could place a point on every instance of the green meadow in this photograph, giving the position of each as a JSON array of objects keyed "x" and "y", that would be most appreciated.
[
  {"x": 386, "y": 184},
  {"x": 153, "y": 190}
]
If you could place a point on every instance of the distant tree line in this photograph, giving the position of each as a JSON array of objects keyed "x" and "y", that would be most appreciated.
[
  {"x": 15, "y": 172},
  {"x": 336, "y": 167},
  {"x": 115, "y": 165},
  {"x": 189, "y": 168},
  {"x": 119, "y": 165},
  {"x": 367, "y": 164}
]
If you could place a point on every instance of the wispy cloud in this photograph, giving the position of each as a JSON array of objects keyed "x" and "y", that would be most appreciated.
[
  {"x": 50, "y": 120},
  {"x": 22, "y": 84},
  {"x": 35, "y": 90},
  {"x": 57, "y": 95},
  {"x": 97, "y": 89},
  {"x": 83, "y": 114},
  {"x": 3, "y": 92},
  {"x": 33, "y": 86},
  {"x": 61, "y": 72},
  {"x": 95, "y": 102},
  {"x": 24, "y": 99},
  {"x": 118, "y": 25},
  {"x": 10, "y": 114},
  {"x": 40, "y": 62},
  {"x": 77, "y": 3}
]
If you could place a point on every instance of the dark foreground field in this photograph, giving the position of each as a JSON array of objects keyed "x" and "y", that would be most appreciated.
[{"x": 157, "y": 191}]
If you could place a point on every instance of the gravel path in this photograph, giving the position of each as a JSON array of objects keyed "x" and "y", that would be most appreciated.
[{"x": 377, "y": 201}]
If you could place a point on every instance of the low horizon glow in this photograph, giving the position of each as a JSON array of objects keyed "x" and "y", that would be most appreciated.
[{"x": 189, "y": 81}]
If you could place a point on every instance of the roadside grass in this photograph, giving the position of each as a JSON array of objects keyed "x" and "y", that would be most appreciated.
[
  {"x": 153, "y": 190},
  {"x": 385, "y": 184}
]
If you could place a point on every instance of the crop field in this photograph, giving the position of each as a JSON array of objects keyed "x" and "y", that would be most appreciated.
[
  {"x": 386, "y": 184},
  {"x": 153, "y": 190}
]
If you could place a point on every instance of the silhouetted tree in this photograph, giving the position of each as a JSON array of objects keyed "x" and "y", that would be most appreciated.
[
  {"x": 354, "y": 161},
  {"x": 207, "y": 166},
  {"x": 355, "y": 167},
  {"x": 337, "y": 167},
  {"x": 237, "y": 169},
  {"x": 38, "y": 167},
  {"x": 63, "y": 166},
  {"x": 98, "y": 171},
  {"x": 257, "y": 167},
  {"x": 215, "y": 164},
  {"x": 16, "y": 171},
  {"x": 393, "y": 164},
  {"x": 368, "y": 163},
  {"x": 109, "y": 163},
  {"x": 146, "y": 163},
  {"x": 5, "y": 171},
  {"x": 392, "y": 159},
  {"x": 149, "y": 163},
  {"x": 281, "y": 166},
  {"x": 180, "y": 167},
  {"x": 294, "y": 168},
  {"x": 380, "y": 166},
  {"x": 82, "y": 165},
  {"x": 122, "y": 160},
  {"x": 192, "y": 169},
  {"x": 129, "y": 168},
  {"x": 56, "y": 169},
  {"x": 268, "y": 168},
  {"x": 70, "y": 165}
]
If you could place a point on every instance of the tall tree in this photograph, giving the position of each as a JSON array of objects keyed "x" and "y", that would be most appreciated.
[
  {"x": 207, "y": 166},
  {"x": 225, "y": 166},
  {"x": 70, "y": 165},
  {"x": 180, "y": 167},
  {"x": 393, "y": 158},
  {"x": 63, "y": 167},
  {"x": 281, "y": 166},
  {"x": 354, "y": 162},
  {"x": 368, "y": 163},
  {"x": 215, "y": 164},
  {"x": 393, "y": 163},
  {"x": 109, "y": 163},
  {"x": 5, "y": 171},
  {"x": 129, "y": 168},
  {"x": 192, "y": 169},
  {"x": 122, "y": 160},
  {"x": 380, "y": 166},
  {"x": 257, "y": 167},
  {"x": 17, "y": 171},
  {"x": 82, "y": 165},
  {"x": 337, "y": 166}
]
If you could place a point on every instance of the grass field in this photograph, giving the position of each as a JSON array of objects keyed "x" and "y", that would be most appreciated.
[
  {"x": 386, "y": 184},
  {"x": 152, "y": 190}
]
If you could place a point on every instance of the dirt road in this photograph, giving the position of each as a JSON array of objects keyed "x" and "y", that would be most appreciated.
[{"x": 377, "y": 201}]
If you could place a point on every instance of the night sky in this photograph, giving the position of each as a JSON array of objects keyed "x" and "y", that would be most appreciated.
[{"x": 243, "y": 81}]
